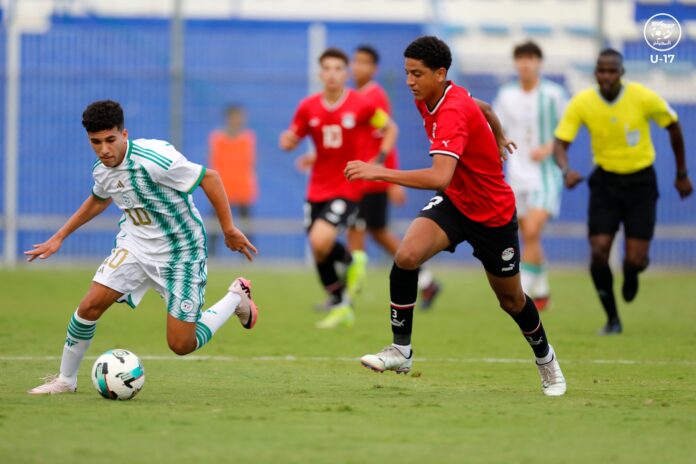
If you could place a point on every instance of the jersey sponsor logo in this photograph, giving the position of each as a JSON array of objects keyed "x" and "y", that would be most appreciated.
[
  {"x": 314, "y": 122},
  {"x": 120, "y": 184},
  {"x": 348, "y": 120},
  {"x": 445, "y": 143},
  {"x": 433, "y": 130},
  {"x": 508, "y": 254},
  {"x": 127, "y": 202}
]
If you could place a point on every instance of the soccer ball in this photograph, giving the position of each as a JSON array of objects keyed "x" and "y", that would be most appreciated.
[{"x": 118, "y": 375}]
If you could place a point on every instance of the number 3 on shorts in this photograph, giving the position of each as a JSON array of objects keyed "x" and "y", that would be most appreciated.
[{"x": 434, "y": 201}]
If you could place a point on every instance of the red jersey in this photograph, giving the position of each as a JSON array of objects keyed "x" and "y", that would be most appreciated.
[
  {"x": 376, "y": 94},
  {"x": 339, "y": 132},
  {"x": 456, "y": 127}
]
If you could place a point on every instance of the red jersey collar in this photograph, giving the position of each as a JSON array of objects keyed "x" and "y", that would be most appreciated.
[
  {"x": 442, "y": 98},
  {"x": 334, "y": 106}
]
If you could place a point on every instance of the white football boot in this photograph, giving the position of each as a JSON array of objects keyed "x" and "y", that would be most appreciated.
[
  {"x": 52, "y": 386},
  {"x": 246, "y": 311},
  {"x": 552, "y": 381},
  {"x": 389, "y": 359}
]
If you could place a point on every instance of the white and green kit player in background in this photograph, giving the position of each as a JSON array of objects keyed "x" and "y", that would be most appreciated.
[
  {"x": 161, "y": 243},
  {"x": 529, "y": 109}
]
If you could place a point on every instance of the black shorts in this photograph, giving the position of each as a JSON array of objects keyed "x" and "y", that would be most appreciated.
[
  {"x": 498, "y": 248},
  {"x": 630, "y": 199},
  {"x": 339, "y": 212},
  {"x": 372, "y": 211}
]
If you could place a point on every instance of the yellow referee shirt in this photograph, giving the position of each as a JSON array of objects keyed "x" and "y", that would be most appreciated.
[{"x": 619, "y": 130}]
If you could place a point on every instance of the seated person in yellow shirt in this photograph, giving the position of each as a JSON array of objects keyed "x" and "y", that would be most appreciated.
[{"x": 623, "y": 185}]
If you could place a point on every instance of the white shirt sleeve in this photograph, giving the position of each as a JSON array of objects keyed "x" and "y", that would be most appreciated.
[
  {"x": 171, "y": 169},
  {"x": 97, "y": 189}
]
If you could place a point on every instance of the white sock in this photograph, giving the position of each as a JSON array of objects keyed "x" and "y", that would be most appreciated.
[
  {"x": 546, "y": 359},
  {"x": 403, "y": 349},
  {"x": 528, "y": 280},
  {"x": 425, "y": 278},
  {"x": 214, "y": 318},
  {"x": 80, "y": 334},
  {"x": 541, "y": 286}
]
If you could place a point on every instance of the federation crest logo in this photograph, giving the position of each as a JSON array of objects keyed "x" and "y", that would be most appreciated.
[
  {"x": 314, "y": 122},
  {"x": 186, "y": 306},
  {"x": 508, "y": 254},
  {"x": 338, "y": 207},
  {"x": 348, "y": 121},
  {"x": 127, "y": 202},
  {"x": 662, "y": 32}
]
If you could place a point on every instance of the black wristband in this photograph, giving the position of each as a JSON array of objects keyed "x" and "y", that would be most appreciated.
[
  {"x": 381, "y": 157},
  {"x": 565, "y": 171},
  {"x": 682, "y": 173}
]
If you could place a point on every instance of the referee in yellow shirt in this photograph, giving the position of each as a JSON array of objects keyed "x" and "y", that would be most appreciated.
[{"x": 623, "y": 186}]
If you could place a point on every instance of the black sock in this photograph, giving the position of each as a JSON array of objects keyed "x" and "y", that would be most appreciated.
[
  {"x": 604, "y": 283},
  {"x": 329, "y": 279},
  {"x": 533, "y": 330},
  {"x": 403, "y": 290},
  {"x": 340, "y": 254}
]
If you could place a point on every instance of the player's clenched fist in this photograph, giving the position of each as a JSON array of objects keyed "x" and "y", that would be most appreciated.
[{"x": 361, "y": 170}]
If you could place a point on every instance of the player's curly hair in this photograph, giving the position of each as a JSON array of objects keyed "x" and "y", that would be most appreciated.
[
  {"x": 103, "y": 115},
  {"x": 433, "y": 52}
]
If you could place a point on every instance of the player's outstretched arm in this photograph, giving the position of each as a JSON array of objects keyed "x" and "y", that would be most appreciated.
[
  {"x": 436, "y": 177},
  {"x": 682, "y": 183},
  {"x": 505, "y": 146},
  {"x": 91, "y": 208},
  {"x": 235, "y": 240},
  {"x": 571, "y": 178}
]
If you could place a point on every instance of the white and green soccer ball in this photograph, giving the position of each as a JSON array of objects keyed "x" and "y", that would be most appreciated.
[{"x": 118, "y": 375}]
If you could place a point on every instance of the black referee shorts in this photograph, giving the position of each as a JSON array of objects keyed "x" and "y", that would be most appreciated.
[
  {"x": 630, "y": 199},
  {"x": 498, "y": 248},
  {"x": 372, "y": 211}
]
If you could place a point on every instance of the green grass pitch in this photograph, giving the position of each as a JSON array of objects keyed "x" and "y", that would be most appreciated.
[{"x": 286, "y": 392}]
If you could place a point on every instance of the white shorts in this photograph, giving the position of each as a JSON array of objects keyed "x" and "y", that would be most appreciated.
[
  {"x": 182, "y": 286},
  {"x": 548, "y": 200}
]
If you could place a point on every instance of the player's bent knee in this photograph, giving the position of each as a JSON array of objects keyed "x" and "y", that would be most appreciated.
[
  {"x": 91, "y": 309},
  {"x": 407, "y": 259},
  {"x": 181, "y": 347},
  {"x": 512, "y": 304}
]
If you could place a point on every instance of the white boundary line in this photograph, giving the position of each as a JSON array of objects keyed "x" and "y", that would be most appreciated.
[{"x": 291, "y": 358}]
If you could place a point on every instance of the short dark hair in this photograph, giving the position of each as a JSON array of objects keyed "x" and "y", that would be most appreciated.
[
  {"x": 234, "y": 108},
  {"x": 102, "y": 115},
  {"x": 370, "y": 50},
  {"x": 433, "y": 52},
  {"x": 610, "y": 52},
  {"x": 333, "y": 52},
  {"x": 528, "y": 48}
]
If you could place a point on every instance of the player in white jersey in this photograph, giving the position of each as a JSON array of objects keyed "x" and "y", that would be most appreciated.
[
  {"x": 161, "y": 243},
  {"x": 529, "y": 109}
]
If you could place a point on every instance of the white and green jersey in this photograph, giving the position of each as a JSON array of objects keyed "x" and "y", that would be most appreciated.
[
  {"x": 153, "y": 187},
  {"x": 530, "y": 118}
]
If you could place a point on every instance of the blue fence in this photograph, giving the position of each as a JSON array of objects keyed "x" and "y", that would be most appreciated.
[{"x": 262, "y": 65}]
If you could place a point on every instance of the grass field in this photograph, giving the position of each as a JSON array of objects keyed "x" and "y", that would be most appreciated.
[{"x": 288, "y": 393}]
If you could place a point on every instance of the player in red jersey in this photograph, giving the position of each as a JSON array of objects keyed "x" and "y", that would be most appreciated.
[
  {"x": 338, "y": 120},
  {"x": 373, "y": 210},
  {"x": 473, "y": 204}
]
